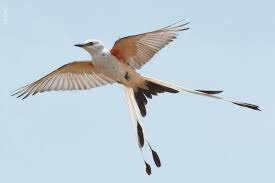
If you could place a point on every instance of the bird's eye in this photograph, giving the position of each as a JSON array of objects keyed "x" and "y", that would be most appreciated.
[{"x": 91, "y": 43}]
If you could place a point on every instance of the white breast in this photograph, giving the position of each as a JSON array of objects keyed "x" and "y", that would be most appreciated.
[{"x": 107, "y": 64}]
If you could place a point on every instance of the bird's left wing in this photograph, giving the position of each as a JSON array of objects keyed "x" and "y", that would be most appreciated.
[
  {"x": 78, "y": 75},
  {"x": 138, "y": 49}
]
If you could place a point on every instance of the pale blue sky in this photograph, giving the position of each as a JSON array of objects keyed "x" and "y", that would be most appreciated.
[{"x": 88, "y": 137}]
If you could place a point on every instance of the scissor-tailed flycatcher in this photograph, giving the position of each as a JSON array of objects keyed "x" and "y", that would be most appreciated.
[{"x": 119, "y": 65}]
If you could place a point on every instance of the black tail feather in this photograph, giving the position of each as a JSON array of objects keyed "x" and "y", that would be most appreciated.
[
  {"x": 155, "y": 156},
  {"x": 210, "y": 91},
  {"x": 140, "y": 135},
  {"x": 140, "y": 102},
  {"x": 247, "y": 105},
  {"x": 152, "y": 89},
  {"x": 148, "y": 168}
]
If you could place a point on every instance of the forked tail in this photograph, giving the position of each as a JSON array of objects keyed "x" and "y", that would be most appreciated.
[
  {"x": 153, "y": 88},
  {"x": 137, "y": 99},
  {"x": 156, "y": 86},
  {"x": 139, "y": 129}
]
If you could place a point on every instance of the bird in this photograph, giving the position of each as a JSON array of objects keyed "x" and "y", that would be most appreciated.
[{"x": 119, "y": 65}]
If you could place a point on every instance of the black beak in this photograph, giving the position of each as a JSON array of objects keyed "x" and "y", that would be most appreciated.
[{"x": 79, "y": 45}]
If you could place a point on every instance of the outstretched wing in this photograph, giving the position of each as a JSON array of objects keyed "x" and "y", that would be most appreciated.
[
  {"x": 138, "y": 49},
  {"x": 79, "y": 75}
]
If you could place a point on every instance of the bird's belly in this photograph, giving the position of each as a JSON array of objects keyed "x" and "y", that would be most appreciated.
[
  {"x": 119, "y": 72},
  {"x": 111, "y": 69}
]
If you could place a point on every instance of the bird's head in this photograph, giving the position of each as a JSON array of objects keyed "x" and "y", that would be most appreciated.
[{"x": 92, "y": 46}]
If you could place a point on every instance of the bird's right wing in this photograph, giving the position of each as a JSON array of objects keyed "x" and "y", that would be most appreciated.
[
  {"x": 137, "y": 50},
  {"x": 78, "y": 75}
]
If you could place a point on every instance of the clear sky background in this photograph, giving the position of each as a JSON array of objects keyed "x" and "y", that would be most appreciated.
[{"x": 87, "y": 136}]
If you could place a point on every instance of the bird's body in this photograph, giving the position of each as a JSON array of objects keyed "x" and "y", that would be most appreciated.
[
  {"x": 110, "y": 66},
  {"x": 119, "y": 65}
]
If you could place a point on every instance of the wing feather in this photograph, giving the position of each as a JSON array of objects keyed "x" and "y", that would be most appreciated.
[
  {"x": 79, "y": 75},
  {"x": 137, "y": 50}
]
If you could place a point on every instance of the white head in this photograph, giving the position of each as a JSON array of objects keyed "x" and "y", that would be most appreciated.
[{"x": 92, "y": 46}]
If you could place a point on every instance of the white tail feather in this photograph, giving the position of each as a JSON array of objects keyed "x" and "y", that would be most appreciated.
[
  {"x": 132, "y": 111},
  {"x": 183, "y": 89},
  {"x": 134, "y": 117},
  {"x": 139, "y": 129}
]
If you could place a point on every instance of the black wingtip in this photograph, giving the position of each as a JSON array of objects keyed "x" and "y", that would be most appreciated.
[
  {"x": 247, "y": 105},
  {"x": 210, "y": 91},
  {"x": 140, "y": 135},
  {"x": 148, "y": 168}
]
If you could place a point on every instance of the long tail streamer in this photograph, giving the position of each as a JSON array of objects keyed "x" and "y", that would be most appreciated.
[
  {"x": 139, "y": 129},
  {"x": 206, "y": 93}
]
